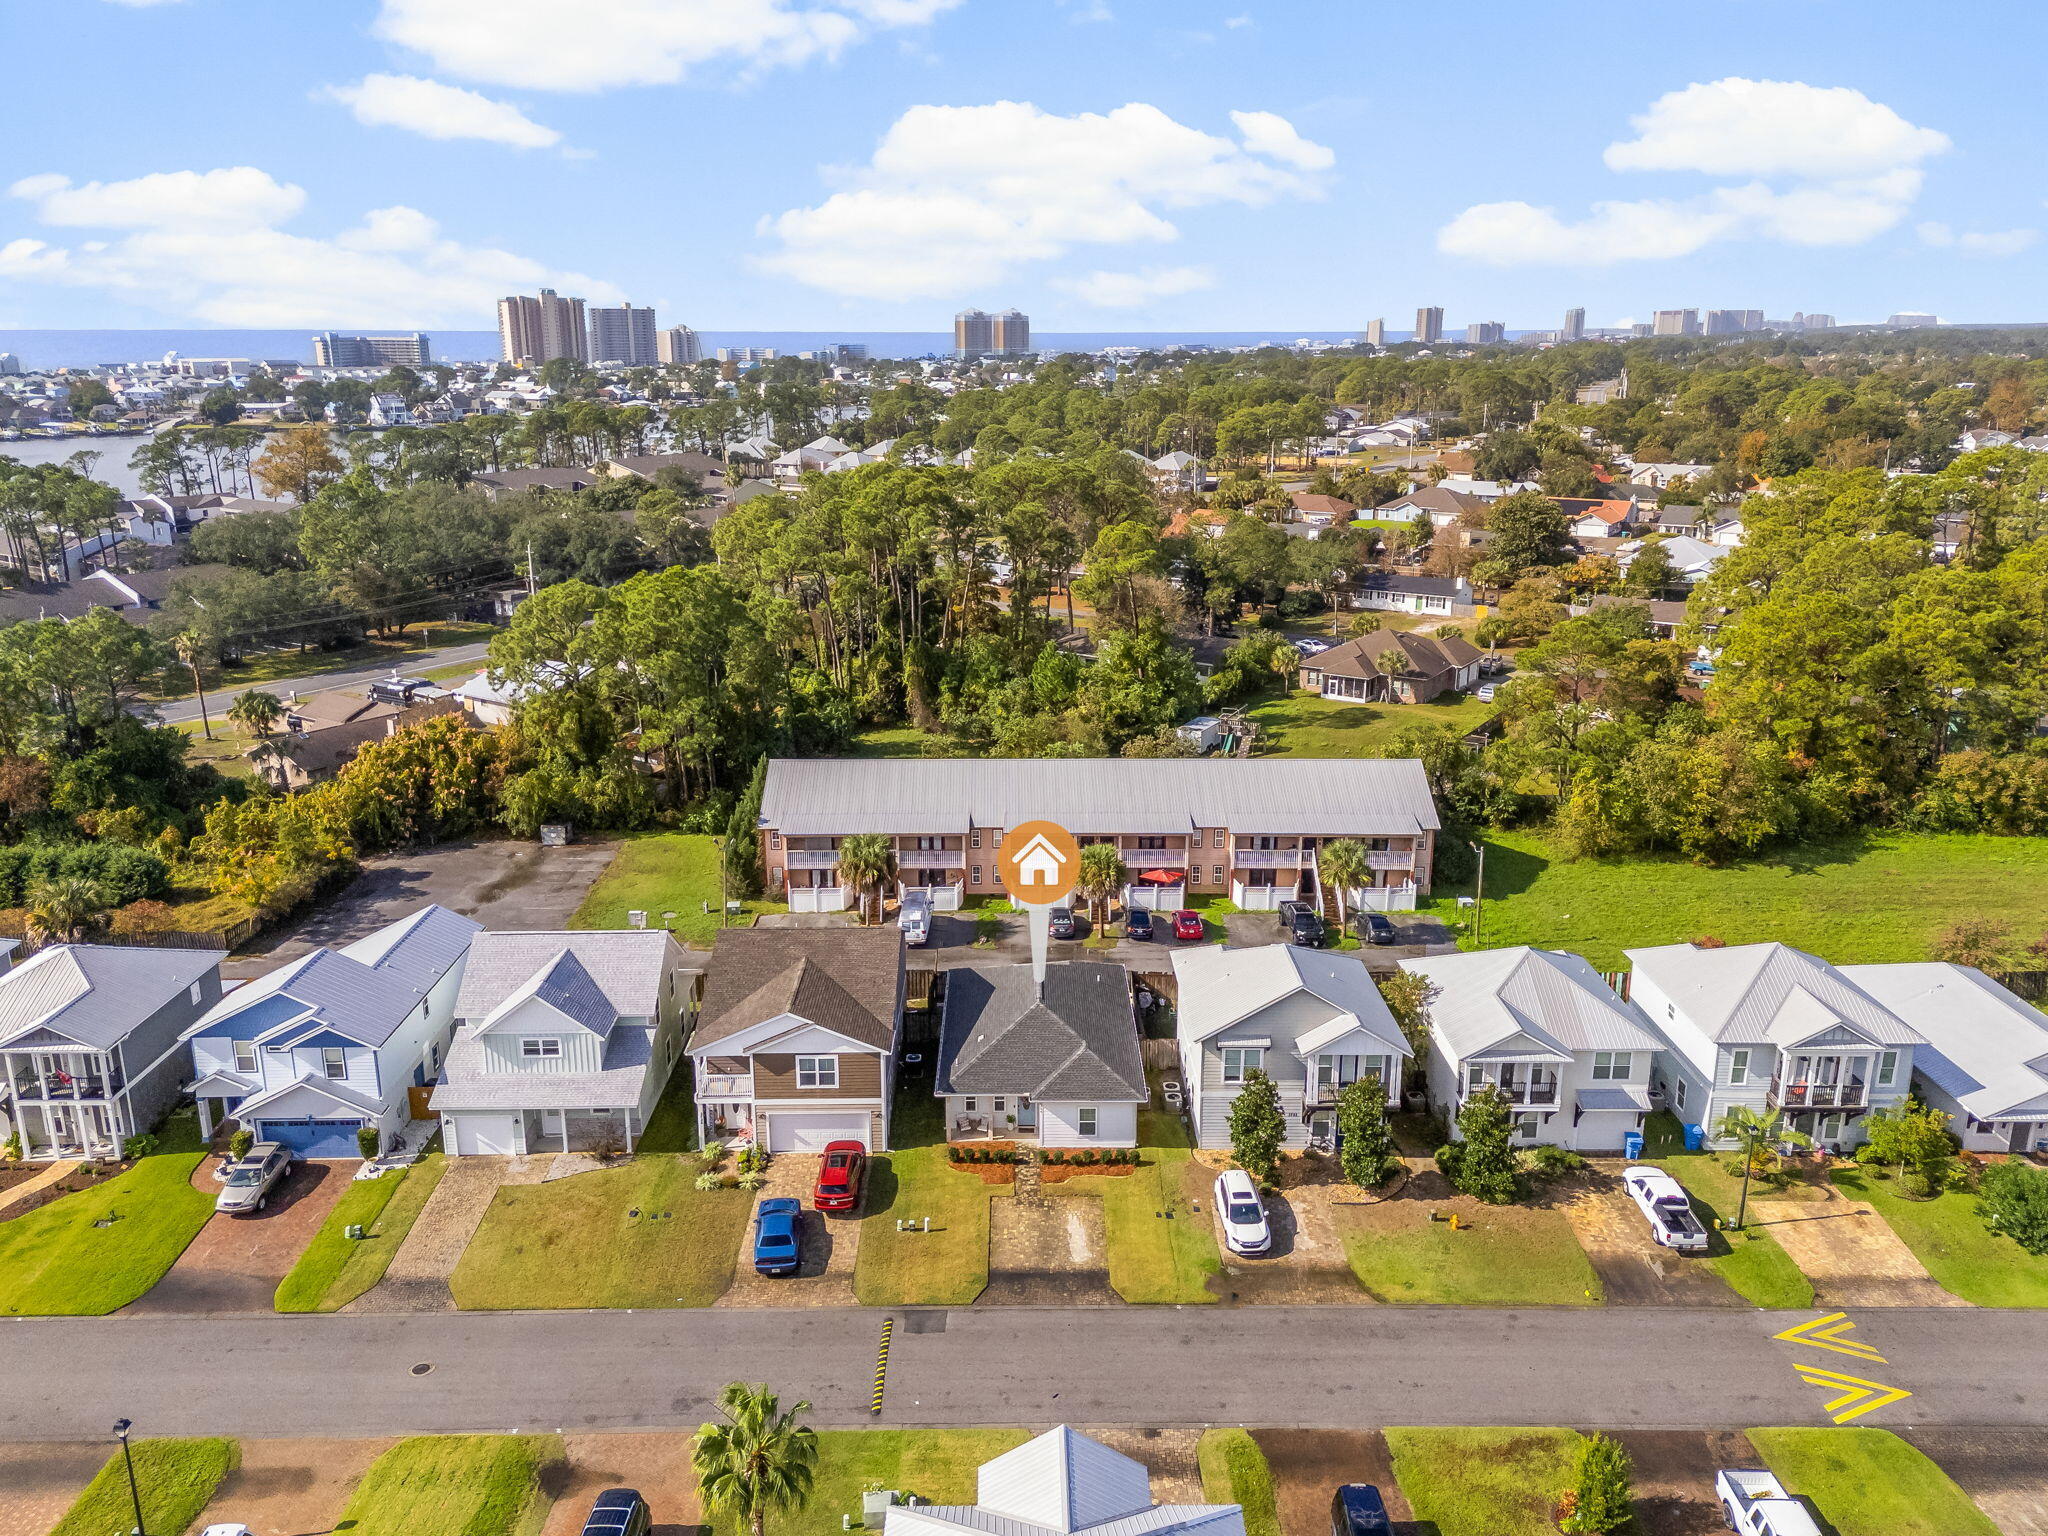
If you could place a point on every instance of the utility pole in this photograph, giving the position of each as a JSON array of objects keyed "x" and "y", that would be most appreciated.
[
  {"x": 529, "y": 568},
  {"x": 121, "y": 1428},
  {"x": 719, "y": 844},
  {"x": 1478, "y": 893}
]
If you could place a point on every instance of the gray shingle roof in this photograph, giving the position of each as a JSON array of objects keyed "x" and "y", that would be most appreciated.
[
  {"x": 850, "y": 980},
  {"x": 95, "y": 993},
  {"x": 1359, "y": 797},
  {"x": 626, "y": 965},
  {"x": 1079, "y": 1041}
]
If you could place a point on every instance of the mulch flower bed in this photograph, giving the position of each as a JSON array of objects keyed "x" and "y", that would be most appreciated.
[{"x": 86, "y": 1176}]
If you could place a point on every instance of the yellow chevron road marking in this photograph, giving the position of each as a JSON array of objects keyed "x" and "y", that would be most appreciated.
[
  {"x": 1858, "y": 1396},
  {"x": 1827, "y": 1333}
]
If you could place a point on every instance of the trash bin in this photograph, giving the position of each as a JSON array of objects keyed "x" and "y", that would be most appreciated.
[
  {"x": 1632, "y": 1146},
  {"x": 1695, "y": 1138}
]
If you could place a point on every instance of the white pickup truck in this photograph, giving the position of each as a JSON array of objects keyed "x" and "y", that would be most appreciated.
[
  {"x": 1664, "y": 1204},
  {"x": 1756, "y": 1504}
]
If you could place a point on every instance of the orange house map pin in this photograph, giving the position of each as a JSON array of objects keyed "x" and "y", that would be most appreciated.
[{"x": 1039, "y": 862}]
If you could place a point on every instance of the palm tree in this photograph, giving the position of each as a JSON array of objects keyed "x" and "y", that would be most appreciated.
[
  {"x": 257, "y": 713},
  {"x": 1758, "y": 1131},
  {"x": 1343, "y": 864},
  {"x": 760, "y": 1460},
  {"x": 867, "y": 861},
  {"x": 66, "y": 907},
  {"x": 1101, "y": 876}
]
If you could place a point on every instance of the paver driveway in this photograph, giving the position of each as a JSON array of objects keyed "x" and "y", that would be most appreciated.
[
  {"x": 291, "y": 1487},
  {"x": 2004, "y": 1471},
  {"x": 1634, "y": 1270},
  {"x": 1851, "y": 1255},
  {"x": 236, "y": 1262},
  {"x": 40, "y": 1481},
  {"x": 831, "y": 1243}
]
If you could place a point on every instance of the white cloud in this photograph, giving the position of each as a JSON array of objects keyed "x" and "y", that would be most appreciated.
[
  {"x": 1999, "y": 242},
  {"x": 1825, "y": 166},
  {"x": 1131, "y": 290},
  {"x": 1234, "y": 22},
  {"x": 439, "y": 111},
  {"x": 597, "y": 44},
  {"x": 956, "y": 197},
  {"x": 206, "y": 245}
]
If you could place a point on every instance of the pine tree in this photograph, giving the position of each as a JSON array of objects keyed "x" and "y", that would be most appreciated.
[
  {"x": 1368, "y": 1152},
  {"x": 743, "y": 841},
  {"x": 1256, "y": 1126},
  {"x": 1486, "y": 1167},
  {"x": 1604, "y": 1502}
]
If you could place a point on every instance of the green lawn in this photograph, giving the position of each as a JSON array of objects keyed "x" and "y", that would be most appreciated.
[
  {"x": 1949, "y": 1236},
  {"x": 455, "y": 1485},
  {"x": 1865, "y": 900},
  {"x": 1303, "y": 725},
  {"x": 1484, "y": 1482},
  {"x": 576, "y": 1242},
  {"x": 947, "y": 1266},
  {"x": 935, "y": 1464},
  {"x": 335, "y": 1269},
  {"x": 1752, "y": 1262},
  {"x": 895, "y": 741},
  {"x": 657, "y": 872},
  {"x": 1511, "y": 1256},
  {"x": 1234, "y": 1471},
  {"x": 1152, "y": 1259},
  {"x": 1869, "y": 1482},
  {"x": 56, "y": 1262},
  {"x": 177, "y": 1479}
]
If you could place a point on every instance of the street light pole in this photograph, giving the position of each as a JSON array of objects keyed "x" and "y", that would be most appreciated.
[
  {"x": 1748, "y": 1161},
  {"x": 121, "y": 1428},
  {"x": 1478, "y": 893}
]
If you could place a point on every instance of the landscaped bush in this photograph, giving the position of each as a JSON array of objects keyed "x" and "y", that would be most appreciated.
[
  {"x": 1550, "y": 1162},
  {"x": 240, "y": 1142},
  {"x": 123, "y": 873},
  {"x": 1053, "y": 1157},
  {"x": 2013, "y": 1197},
  {"x": 366, "y": 1140}
]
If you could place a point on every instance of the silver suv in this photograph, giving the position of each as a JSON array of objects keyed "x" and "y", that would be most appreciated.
[{"x": 247, "y": 1187}]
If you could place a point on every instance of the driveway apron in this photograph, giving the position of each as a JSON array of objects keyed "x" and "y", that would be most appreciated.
[
  {"x": 1635, "y": 1270},
  {"x": 830, "y": 1245},
  {"x": 235, "y": 1263},
  {"x": 1851, "y": 1255}
]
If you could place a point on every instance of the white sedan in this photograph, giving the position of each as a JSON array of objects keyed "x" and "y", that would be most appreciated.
[{"x": 1245, "y": 1231}]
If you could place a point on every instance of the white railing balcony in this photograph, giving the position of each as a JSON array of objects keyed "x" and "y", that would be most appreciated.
[
  {"x": 1153, "y": 858},
  {"x": 813, "y": 858},
  {"x": 1390, "y": 858},
  {"x": 930, "y": 858},
  {"x": 1272, "y": 858}
]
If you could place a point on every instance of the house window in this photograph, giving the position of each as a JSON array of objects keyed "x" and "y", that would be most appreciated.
[
  {"x": 1084, "y": 1120},
  {"x": 967, "y": 1105},
  {"x": 1679, "y": 1094},
  {"x": 245, "y": 1055},
  {"x": 977, "y": 874},
  {"x": 1219, "y": 839},
  {"x": 1887, "y": 1068},
  {"x": 775, "y": 841},
  {"x": 1337, "y": 1071},
  {"x": 1217, "y": 869},
  {"x": 1475, "y": 1077},
  {"x": 195, "y": 992},
  {"x": 974, "y": 840},
  {"x": 1238, "y": 1060},
  {"x": 1738, "y": 1068},
  {"x": 1611, "y": 1066},
  {"x": 540, "y": 1047},
  {"x": 333, "y": 1062},
  {"x": 998, "y": 1106},
  {"x": 1525, "y": 1126},
  {"x": 817, "y": 1071}
]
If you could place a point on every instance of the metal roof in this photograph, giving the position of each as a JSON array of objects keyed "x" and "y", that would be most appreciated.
[
  {"x": 1360, "y": 797},
  {"x": 95, "y": 993},
  {"x": 1220, "y": 985},
  {"x": 468, "y": 1082},
  {"x": 1765, "y": 994},
  {"x": 626, "y": 965},
  {"x": 1489, "y": 996},
  {"x": 1078, "y": 1041},
  {"x": 1986, "y": 1049}
]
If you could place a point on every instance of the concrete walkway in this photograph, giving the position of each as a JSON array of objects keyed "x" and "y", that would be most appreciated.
[
  {"x": 41, "y": 1181},
  {"x": 417, "y": 1280}
]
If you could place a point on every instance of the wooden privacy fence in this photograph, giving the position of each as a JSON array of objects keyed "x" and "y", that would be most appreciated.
[{"x": 231, "y": 937}]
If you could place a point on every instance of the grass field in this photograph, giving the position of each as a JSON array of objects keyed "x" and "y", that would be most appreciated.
[
  {"x": 1869, "y": 1482},
  {"x": 1303, "y": 725},
  {"x": 894, "y": 741},
  {"x": 56, "y": 1262},
  {"x": 574, "y": 1242},
  {"x": 455, "y": 1485},
  {"x": 176, "y": 1478},
  {"x": 1510, "y": 1256},
  {"x": 1752, "y": 1262},
  {"x": 1865, "y": 900},
  {"x": 657, "y": 872},
  {"x": 947, "y": 1266},
  {"x": 1484, "y": 1482},
  {"x": 935, "y": 1464},
  {"x": 1150, "y": 1259},
  {"x": 1950, "y": 1238},
  {"x": 1234, "y": 1471},
  {"x": 335, "y": 1269}
]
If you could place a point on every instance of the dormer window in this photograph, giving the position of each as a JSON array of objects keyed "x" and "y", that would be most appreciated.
[{"x": 540, "y": 1047}]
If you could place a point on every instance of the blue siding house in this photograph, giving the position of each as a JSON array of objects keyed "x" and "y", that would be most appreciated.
[{"x": 314, "y": 1052}]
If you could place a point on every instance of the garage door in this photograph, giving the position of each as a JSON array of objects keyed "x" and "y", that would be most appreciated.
[
  {"x": 486, "y": 1135},
  {"x": 313, "y": 1138},
  {"x": 809, "y": 1132}
]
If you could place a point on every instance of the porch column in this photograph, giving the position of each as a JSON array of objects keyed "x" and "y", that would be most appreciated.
[
  {"x": 629, "y": 1130},
  {"x": 205, "y": 1118}
]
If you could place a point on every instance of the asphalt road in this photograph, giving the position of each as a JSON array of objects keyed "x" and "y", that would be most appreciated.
[
  {"x": 1648, "y": 1368},
  {"x": 179, "y": 710}
]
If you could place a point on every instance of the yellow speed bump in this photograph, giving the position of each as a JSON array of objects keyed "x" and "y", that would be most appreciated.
[{"x": 882, "y": 1365}]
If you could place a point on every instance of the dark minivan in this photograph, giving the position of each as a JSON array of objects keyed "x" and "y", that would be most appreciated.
[
  {"x": 618, "y": 1512},
  {"x": 1358, "y": 1510}
]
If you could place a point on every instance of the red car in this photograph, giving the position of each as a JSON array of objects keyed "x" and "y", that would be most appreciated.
[
  {"x": 1188, "y": 925},
  {"x": 846, "y": 1164}
]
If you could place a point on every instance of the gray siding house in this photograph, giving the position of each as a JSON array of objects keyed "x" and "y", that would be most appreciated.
[
  {"x": 1312, "y": 1022},
  {"x": 90, "y": 1043}
]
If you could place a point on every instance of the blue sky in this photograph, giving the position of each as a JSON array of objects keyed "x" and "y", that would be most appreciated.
[{"x": 1102, "y": 164}]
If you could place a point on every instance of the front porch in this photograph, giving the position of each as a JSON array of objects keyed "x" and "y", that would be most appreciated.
[{"x": 57, "y": 1132}]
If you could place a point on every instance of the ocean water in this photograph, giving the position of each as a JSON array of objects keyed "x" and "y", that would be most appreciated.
[{"x": 83, "y": 349}]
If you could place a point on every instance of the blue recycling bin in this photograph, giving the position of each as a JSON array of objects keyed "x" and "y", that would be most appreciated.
[
  {"x": 1695, "y": 1138},
  {"x": 1632, "y": 1146}
]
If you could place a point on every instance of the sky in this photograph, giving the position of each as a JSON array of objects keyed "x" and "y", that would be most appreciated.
[{"x": 1139, "y": 165}]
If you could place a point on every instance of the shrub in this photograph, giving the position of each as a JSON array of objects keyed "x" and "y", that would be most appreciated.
[
  {"x": 366, "y": 1140},
  {"x": 1368, "y": 1154},
  {"x": 1600, "y": 1497},
  {"x": 1087, "y": 1157},
  {"x": 708, "y": 1180},
  {"x": 1449, "y": 1157},
  {"x": 2013, "y": 1199},
  {"x": 1257, "y": 1126},
  {"x": 753, "y": 1178},
  {"x": 1053, "y": 1157},
  {"x": 138, "y": 1146},
  {"x": 955, "y": 1153},
  {"x": 711, "y": 1153},
  {"x": 240, "y": 1142},
  {"x": 1555, "y": 1162},
  {"x": 1486, "y": 1168}
]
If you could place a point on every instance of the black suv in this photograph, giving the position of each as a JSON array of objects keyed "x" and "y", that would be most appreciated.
[
  {"x": 618, "y": 1512},
  {"x": 1303, "y": 924},
  {"x": 1376, "y": 929}
]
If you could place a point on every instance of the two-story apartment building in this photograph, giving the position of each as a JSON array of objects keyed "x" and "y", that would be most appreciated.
[
  {"x": 563, "y": 1041},
  {"x": 89, "y": 1043},
  {"x": 1311, "y": 1021},
  {"x": 1572, "y": 1058},
  {"x": 315, "y": 1052},
  {"x": 1766, "y": 1026},
  {"x": 1246, "y": 828},
  {"x": 795, "y": 1042}
]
